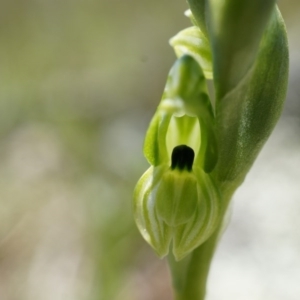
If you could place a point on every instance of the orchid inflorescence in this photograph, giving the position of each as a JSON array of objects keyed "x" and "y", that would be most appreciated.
[{"x": 200, "y": 147}]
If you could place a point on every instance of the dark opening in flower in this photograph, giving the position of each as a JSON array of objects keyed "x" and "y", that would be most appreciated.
[{"x": 182, "y": 158}]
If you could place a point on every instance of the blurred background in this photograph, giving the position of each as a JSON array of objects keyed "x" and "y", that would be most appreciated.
[{"x": 79, "y": 82}]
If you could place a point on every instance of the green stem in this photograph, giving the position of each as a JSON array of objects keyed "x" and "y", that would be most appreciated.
[{"x": 189, "y": 275}]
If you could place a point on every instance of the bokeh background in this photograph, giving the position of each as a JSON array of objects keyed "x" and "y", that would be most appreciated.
[{"x": 79, "y": 82}]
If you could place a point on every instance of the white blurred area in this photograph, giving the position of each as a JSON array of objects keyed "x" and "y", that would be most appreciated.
[
  {"x": 79, "y": 82},
  {"x": 258, "y": 256}
]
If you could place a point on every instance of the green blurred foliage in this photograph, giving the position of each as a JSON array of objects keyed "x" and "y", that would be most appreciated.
[{"x": 79, "y": 81}]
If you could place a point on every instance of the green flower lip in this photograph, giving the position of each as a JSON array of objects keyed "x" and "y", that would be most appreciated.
[
  {"x": 176, "y": 208},
  {"x": 182, "y": 158}
]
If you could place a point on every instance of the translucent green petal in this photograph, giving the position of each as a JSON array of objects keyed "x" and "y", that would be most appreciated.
[
  {"x": 152, "y": 228},
  {"x": 193, "y": 42},
  {"x": 155, "y": 148}
]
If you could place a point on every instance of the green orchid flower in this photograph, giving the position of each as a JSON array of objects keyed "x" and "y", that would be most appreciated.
[{"x": 176, "y": 199}]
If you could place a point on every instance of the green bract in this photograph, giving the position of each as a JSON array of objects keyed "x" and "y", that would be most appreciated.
[
  {"x": 176, "y": 199},
  {"x": 250, "y": 71}
]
